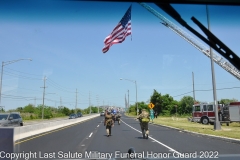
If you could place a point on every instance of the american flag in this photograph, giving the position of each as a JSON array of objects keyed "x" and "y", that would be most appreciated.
[{"x": 120, "y": 32}]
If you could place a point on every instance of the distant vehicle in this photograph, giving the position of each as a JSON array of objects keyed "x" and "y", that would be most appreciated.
[
  {"x": 79, "y": 114},
  {"x": 205, "y": 113},
  {"x": 102, "y": 113},
  {"x": 10, "y": 119},
  {"x": 72, "y": 116}
]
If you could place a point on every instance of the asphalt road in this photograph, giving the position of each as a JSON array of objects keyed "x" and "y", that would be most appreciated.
[{"x": 78, "y": 140}]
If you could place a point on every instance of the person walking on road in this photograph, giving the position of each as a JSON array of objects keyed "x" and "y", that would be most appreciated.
[
  {"x": 118, "y": 117},
  {"x": 144, "y": 119},
  {"x": 109, "y": 123}
]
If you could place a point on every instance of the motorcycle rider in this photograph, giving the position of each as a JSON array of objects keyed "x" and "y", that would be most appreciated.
[{"x": 144, "y": 119}]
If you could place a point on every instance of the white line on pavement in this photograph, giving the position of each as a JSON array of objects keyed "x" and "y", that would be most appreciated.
[
  {"x": 171, "y": 149},
  {"x": 90, "y": 135}
]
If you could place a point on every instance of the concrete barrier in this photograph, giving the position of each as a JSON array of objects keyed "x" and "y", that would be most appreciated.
[
  {"x": 31, "y": 130},
  {"x": 6, "y": 141}
]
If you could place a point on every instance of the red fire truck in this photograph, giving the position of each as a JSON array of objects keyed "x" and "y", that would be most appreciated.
[{"x": 205, "y": 113}]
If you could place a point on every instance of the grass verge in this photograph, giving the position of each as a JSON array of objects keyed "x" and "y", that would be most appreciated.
[{"x": 231, "y": 131}]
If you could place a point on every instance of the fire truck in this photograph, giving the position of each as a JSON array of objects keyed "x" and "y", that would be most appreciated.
[{"x": 205, "y": 113}]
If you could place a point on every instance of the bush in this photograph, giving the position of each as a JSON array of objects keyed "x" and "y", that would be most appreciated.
[{"x": 29, "y": 116}]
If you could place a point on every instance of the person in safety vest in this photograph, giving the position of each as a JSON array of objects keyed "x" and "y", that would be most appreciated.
[
  {"x": 144, "y": 119},
  {"x": 109, "y": 123}
]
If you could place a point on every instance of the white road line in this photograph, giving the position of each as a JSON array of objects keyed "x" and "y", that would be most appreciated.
[
  {"x": 171, "y": 149},
  {"x": 90, "y": 135}
]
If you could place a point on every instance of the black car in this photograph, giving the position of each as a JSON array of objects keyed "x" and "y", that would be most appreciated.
[
  {"x": 79, "y": 114},
  {"x": 72, "y": 116}
]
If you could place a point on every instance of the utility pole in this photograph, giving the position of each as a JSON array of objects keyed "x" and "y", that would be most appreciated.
[
  {"x": 43, "y": 96},
  {"x": 128, "y": 103},
  {"x": 97, "y": 102},
  {"x": 193, "y": 87},
  {"x": 76, "y": 102},
  {"x": 217, "y": 125},
  {"x": 125, "y": 103},
  {"x": 90, "y": 103},
  {"x": 35, "y": 102},
  {"x": 61, "y": 102}
]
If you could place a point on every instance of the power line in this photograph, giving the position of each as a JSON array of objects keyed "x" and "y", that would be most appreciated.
[
  {"x": 218, "y": 89},
  {"x": 53, "y": 84},
  {"x": 25, "y": 88},
  {"x": 20, "y": 76},
  {"x": 21, "y": 72},
  {"x": 183, "y": 94},
  {"x": 206, "y": 90},
  {"x": 17, "y": 97}
]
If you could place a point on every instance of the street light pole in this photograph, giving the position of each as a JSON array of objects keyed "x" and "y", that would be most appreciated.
[
  {"x": 136, "y": 90},
  {"x": 7, "y": 63}
]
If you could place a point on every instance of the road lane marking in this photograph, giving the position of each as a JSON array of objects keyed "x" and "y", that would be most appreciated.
[
  {"x": 90, "y": 135},
  {"x": 171, "y": 149}
]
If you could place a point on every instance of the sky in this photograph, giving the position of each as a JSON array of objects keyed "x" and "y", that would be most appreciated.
[{"x": 64, "y": 39}]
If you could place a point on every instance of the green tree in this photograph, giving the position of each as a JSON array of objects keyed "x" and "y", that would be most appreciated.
[
  {"x": 163, "y": 104},
  {"x": 65, "y": 111},
  {"x": 157, "y": 100},
  {"x": 79, "y": 110},
  {"x": 185, "y": 105},
  {"x": 142, "y": 105},
  {"x": 29, "y": 108},
  {"x": 133, "y": 109},
  {"x": 227, "y": 101},
  {"x": 19, "y": 109},
  {"x": 48, "y": 112},
  {"x": 94, "y": 109}
]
